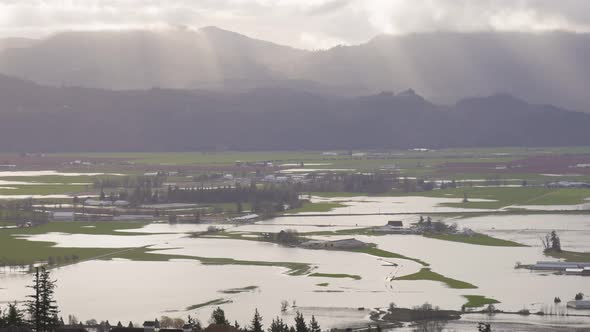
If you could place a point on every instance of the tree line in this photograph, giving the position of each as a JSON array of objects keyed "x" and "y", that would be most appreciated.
[
  {"x": 276, "y": 325},
  {"x": 21, "y": 212}
]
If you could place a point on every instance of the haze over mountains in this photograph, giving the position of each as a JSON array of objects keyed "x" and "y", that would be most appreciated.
[
  {"x": 445, "y": 66},
  {"x": 182, "y": 90},
  {"x": 47, "y": 119}
]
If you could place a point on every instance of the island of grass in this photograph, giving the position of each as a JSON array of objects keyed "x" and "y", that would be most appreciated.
[
  {"x": 477, "y": 239},
  {"x": 323, "y": 284},
  {"x": 427, "y": 274},
  {"x": 476, "y": 301},
  {"x": 372, "y": 249},
  {"x": 336, "y": 275},
  {"x": 569, "y": 256},
  {"x": 208, "y": 303},
  {"x": 239, "y": 290}
]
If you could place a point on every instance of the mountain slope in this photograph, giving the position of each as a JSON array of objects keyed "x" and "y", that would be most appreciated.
[
  {"x": 40, "y": 118},
  {"x": 145, "y": 59},
  {"x": 444, "y": 66}
]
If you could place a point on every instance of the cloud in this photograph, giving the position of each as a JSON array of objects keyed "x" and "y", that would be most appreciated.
[{"x": 301, "y": 23}]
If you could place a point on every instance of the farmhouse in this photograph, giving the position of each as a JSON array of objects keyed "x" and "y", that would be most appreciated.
[{"x": 394, "y": 227}]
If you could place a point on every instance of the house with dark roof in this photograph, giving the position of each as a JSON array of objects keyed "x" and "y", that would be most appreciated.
[{"x": 149, "y": 326}]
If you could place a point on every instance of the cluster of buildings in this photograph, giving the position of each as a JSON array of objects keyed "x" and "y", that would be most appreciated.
[{"x": 570, "y": 268}]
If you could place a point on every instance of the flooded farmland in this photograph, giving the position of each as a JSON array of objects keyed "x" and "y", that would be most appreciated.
[{"x": 172, "y": 287}]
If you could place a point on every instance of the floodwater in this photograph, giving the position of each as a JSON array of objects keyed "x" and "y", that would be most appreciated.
[
  {"x": 573, "y": 230},
  {"x": 127, "y": 290},
  {"x": 405, "y": 204}
]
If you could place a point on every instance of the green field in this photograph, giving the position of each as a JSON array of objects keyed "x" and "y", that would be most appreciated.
[
  {"x": 427, "y": 274},
  {"x": 476, "y": 301},
  {"x": 478, "y": 239},
  {"x": 207, "y": 158},
  {"x": 46, "y": 189}
]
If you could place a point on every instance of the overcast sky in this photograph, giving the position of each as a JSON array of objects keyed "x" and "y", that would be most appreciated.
[{"x": 308, "y": 24}]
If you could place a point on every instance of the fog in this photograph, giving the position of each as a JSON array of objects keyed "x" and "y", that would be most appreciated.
[{"x": 310, "y": 24}]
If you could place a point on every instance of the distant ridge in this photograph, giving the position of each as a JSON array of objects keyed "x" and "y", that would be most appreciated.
[{"x": 41, "y": 118}]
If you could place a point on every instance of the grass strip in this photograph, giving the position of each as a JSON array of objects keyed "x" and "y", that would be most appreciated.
[
  {"x": 478, "y": 239},
  {"x": 239, "y": 290},
  {"x": 374, "y": 251},
  {"x": 336, "y": 275},
  {"x": 208, "y": 303}
]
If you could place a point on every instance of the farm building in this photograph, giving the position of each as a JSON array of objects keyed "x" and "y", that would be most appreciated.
[
  {"x": 559, "y": 266},
  {"x": 394, "y": 227},
  {"x": 246, "y": 218},
  {"x": 579, "y": 304},
  {"x": 395, "y": 223}
]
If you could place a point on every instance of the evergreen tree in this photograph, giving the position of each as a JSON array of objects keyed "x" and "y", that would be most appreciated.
[
  {"x": 41, "y": 306},
  {"x": 300, "y": 325},
  {"x": 218, "y": 317},
  {"x": 555, "y": 242},
  {"x": 256, "y": 322},
  {"x": 14, "y": 317},
  {"x": 313, "y": 325},
  {"x": 130, "y": 325},
  {"x": 278, "y": 325}
]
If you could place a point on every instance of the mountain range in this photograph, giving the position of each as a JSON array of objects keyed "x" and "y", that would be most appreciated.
[
  {"x": 444, "y": 66},
  {"x": 40, "y": 118}
]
